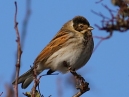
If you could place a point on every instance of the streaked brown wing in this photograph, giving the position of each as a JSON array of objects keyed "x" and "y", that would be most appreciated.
[{"x": 55, "y": 44}]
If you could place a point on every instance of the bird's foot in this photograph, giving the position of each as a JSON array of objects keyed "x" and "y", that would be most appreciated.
[{"x": 81, "y": 85}]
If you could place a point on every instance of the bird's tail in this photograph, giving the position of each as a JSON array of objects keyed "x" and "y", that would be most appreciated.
[{"x": 25, "y": 79}]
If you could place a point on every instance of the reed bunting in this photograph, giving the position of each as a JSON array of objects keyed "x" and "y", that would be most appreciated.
[{"x": 72, "y": 44}]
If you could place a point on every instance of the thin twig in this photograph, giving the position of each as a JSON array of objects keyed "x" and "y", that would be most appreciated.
[
  {"x": 59, "y": 87},
  {"x": 98, "y": 1},
  {"x": 39, "y": 91},
  {"x": 36, "y": 82},
  {"x": 82, "y": 85},
  {"x": 115, "y": 23},
  {"x": 1, "y": 94},
  {"x": 25, "y": 22},
  {"x": 101, "y": 40},
  {"x": 9, "y": 90},
  {"x": 78, "y": 94},
  {"x": 19, "y": 51}
]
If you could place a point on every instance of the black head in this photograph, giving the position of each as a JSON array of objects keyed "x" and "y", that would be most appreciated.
[{"x": 80, "y": 23}]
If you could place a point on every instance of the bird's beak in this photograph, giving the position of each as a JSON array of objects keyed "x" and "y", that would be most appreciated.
[{"x": 90, "y": 28}]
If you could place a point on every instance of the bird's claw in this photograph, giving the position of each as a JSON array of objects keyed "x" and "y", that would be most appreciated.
[{"x": 81, "y": 85}]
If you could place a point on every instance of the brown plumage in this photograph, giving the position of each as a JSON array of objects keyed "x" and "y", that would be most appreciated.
[{"x": 73, "y": 44}]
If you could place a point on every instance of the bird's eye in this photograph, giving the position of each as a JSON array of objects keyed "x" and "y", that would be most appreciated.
[{"x": 81, "y": 26}]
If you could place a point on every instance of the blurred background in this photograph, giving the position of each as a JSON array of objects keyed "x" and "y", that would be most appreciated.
[{"x": 107, "y": 71}]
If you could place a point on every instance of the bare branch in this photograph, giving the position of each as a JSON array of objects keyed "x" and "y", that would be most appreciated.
[
  {"x": 118, "y": 22},
  {"x": 19, "y": 51},
  {"x": 78, "y": 94},
  {"x": 36, "y": 82},
  {"x": 82, "y": 85},
  {"x": 59, "y": 88},
  {"x": 115, "y": 23},
  {"x": 25, "y": 22},
  {"x": 9, "y": 91},
  {"x": 1, "y": 93},
  {"x": 101, "y": 40},
  {"x": 98, "y": 1}
]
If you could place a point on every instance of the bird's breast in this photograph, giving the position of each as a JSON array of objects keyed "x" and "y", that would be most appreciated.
[{"x": 74, "y": 52}]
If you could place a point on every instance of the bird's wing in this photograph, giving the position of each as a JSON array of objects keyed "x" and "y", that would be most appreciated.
[{"x": 55, "y": 44}]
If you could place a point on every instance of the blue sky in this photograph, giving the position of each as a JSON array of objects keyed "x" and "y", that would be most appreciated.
[{"x": 108, "y": 69}]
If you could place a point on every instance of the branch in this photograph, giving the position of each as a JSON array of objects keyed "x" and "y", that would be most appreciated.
[
  {"x": 1, "y": 94},
  {"x": 19, "y": 51},
  {"x": 82, "y": 85},
  {"x": 78, "y": 94},
  {"x": 9, "y": 91},
  {"x": 101, "y": 40},
  {"x": 98, "y": 1},
  {"x": 59, "y": 87},
  {"x": 118, "y": 22},
  {"x": 36, "y": 81},
  {"x": 25, "y": 22}
]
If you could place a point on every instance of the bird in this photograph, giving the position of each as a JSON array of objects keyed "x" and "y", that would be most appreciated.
[{"x": 73, "y": 44}]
